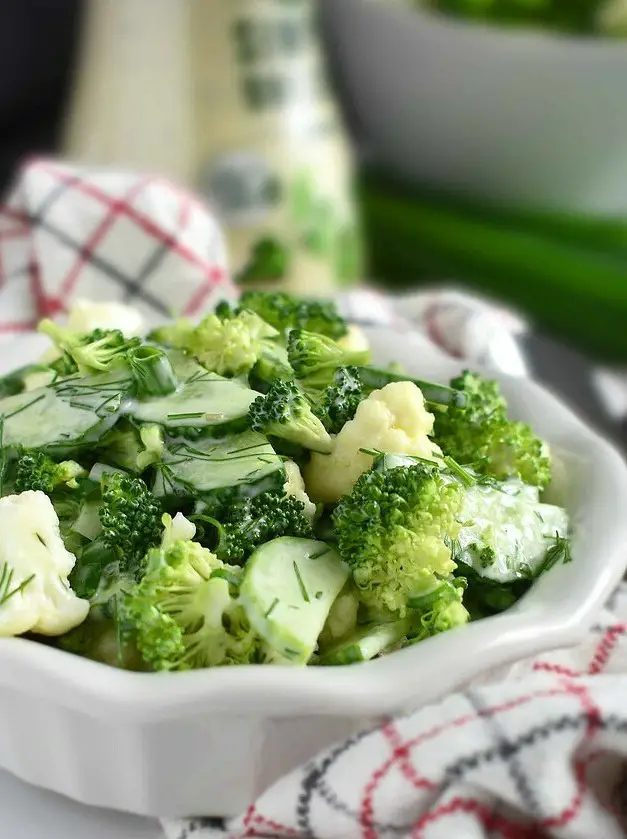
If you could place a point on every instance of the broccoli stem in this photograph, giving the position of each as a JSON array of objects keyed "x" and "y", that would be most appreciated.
[
  {"x": 152, "y": 371},
  {"x": 374, "y": 378}
]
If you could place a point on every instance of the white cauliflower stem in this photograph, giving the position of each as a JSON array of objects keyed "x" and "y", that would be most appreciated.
[
  {"x": 295, "y": 486},
  {"x": 393, "y": 419},
  {"x": 35, "y": 595}
]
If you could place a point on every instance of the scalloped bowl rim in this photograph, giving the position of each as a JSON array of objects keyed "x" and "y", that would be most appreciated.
[{"x": 557, "y": 611}]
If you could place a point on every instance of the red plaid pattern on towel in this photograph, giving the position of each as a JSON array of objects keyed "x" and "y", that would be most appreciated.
[
  {"x": 542, "y": 754},
  {"x": 68, "y": 232}
]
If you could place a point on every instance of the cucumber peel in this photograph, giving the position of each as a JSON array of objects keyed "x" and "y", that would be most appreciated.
[{"x": 366, "y": 643}]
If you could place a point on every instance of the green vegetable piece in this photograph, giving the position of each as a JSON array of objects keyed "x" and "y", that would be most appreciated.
[
  {"x": 203, "y": 401},
  {"x": 341, "y": 399},
  {"x": 15, "y": 381},
  {"x": 394, "y": 530},
  {"x": 185, "y": 612},
  {"x": 280, "y": 589},
  {"x": 237, "y": 466},
  {"x": 245, "y": 525},
  {"x": 98, "y": 351},
  {"x": 36, "y": 471},
  {"x": 480, "y": 434},
  {"x": 130, "y": 517},
  {"x": 373, "y": 378},
  {"x": 506, "y": 531},
  {"x": 70, "y": 414},
  {"x": 269, "y": 261},
  {"x": 315, "y": 358},
  {"x": 285, "y": 412},
  {"x": 285, "y": 312},
  {"x": 438, "y": 611},
  {"x": 367, "y": 643},
  {"x": 226, "y": 346},
  {"x": 272, "y": 365},
  {"x": 152, "y": 371}
]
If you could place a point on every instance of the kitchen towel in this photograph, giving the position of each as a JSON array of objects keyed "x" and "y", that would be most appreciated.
[
  {"x": 70, "y": 232},
  {"x": 540, "y": 753}
]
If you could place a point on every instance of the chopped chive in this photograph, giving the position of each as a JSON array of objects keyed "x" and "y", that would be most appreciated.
[
  {"x": 301, "y": 584},
  {"x": 319, "y": 594},
  {"x": 323, "y": 552},
  {"x": 271, "y": 608},
  {"x": 190, "y": 415},
  {"x": 558, "y": 552},
  {"x": 24, "y": 407},
  {"x": 5, "y": 581},
  {"x": 464, "y": 476}
]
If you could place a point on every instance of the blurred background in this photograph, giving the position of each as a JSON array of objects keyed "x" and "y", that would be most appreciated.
[{"x": 478, "y": 143}]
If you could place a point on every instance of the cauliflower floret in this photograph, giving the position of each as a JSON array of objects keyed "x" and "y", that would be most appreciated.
[
  {"x": 86, "y": 316},
  {"x": 393, "y": 419},
  {"x": 35, "y": 594},
  {"x": 295, "y": 486},
  {"x": 355, "y": 340}
]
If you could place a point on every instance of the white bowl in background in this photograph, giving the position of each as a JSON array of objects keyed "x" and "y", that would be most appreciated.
[
  {"x": 208, "y": 742},
  {"x": 522, "y": 118}
]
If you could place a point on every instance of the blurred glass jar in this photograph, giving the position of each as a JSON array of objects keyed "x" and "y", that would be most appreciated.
[
  {"x": 270, "y": 153},
  {"x": 131, "y": 103},
  {"x": 228, "y": 97}
]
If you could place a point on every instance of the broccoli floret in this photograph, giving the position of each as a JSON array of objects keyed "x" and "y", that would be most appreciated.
[
  {"x": 285, "y": 312},
  {"x": 130, "y": 519},
  {"x": 99, "y": 350},
  {"x": 394, "y": 530},
  {"x": 480, "y": 434},
  {"x": 315, "y": 358},
  {"x": 227, "y": 346},
  {"x": 340, "y": 400},
  {"x": 37, "y": 471},
  {"x": 269, "y": 260},
  {"x": 130, "y": 516},
  {"x": 267, "y": 516},
  {"x": 184, "y": 614},
  {"x": 285, "y": 412}
]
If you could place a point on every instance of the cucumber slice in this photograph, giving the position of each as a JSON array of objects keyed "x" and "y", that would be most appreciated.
[
  {"x": 73, "y": 412},
  {"x": 288, "y": 589},
  {"x": 367, "y": 643},
  {"x": 242, "y": 464},
  {"x": 505, "y": 537},
  {"x": 88, "y": 522},
  {"x": 204, "y": 400}
]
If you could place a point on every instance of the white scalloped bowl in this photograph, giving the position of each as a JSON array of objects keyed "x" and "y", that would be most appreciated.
[{"x": 208, "y": 742}]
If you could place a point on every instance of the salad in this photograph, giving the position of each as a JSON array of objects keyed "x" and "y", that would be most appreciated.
[
  {"x": 250, "y": 489},
  {"x": 574, "y": 17}
]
